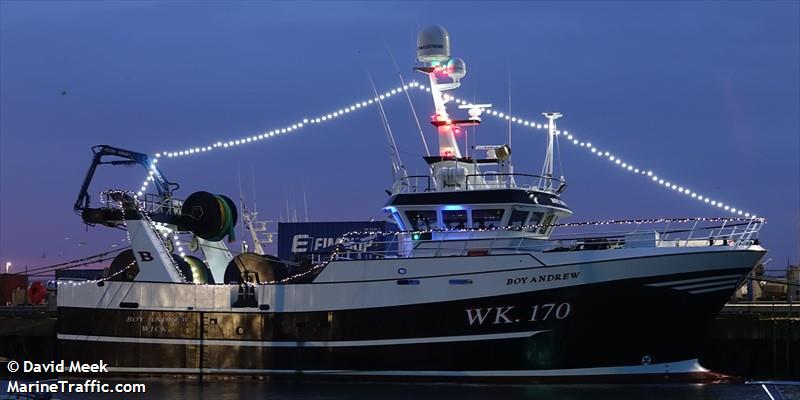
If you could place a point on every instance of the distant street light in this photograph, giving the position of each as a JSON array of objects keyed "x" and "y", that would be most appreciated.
[{"x": 8, "y": 266}]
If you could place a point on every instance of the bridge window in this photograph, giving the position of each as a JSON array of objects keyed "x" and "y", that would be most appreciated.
[
  {"x": 518, "y": 218},
  {"x": 547, "y": 221},
  {"x": 487, "y": 218},
  {"x": 422, "y": 220},
  {"x": 454, "y": 219},
  {"x": 536, "y": 218},
  {"x": 399, "y": 220}
]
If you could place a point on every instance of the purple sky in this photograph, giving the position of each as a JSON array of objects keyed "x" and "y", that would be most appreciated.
[{"x": 705, "y": 93}]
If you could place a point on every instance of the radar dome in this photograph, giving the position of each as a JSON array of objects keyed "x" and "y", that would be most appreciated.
[
  {"x": 456, "y": 68},
  {"x": 433, "y": 44}
]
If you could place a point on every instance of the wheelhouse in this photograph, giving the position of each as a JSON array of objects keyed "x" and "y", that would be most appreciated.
[{"x": 489, "y": 212}]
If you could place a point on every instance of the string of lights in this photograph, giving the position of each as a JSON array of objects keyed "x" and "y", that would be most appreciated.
[
  {"x": 341, "y": 247},
  {"x": 305, "y": 122},
  {"x": 571, "y": 138},
  {"x": 152, "y": 224},
  {"x": 650, "y": 221},
  {"x": 614, "y": 159},
  {"x": 94, "y": 259},
  {"x": 103, "y": 279}
]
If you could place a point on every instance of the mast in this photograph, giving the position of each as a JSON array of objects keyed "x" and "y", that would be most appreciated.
[
  {"x": 449, "y": 170},
  {"x": 448, "y": 147},
  {"x": 547, "y": 168},
  {"x": 433, "y": 53}
]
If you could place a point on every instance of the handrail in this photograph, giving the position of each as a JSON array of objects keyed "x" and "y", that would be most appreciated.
[
  {"x": 741, "y": 233},
  {"x": 554, "y": 185},
  {"x": 407, "y": 179},
  {"x": 549, "y": 180},
  {"x": 151, "y": 203}
]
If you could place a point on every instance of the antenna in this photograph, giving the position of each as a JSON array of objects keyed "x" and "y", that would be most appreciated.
[
  {"x": 509, "y": 110},
  {"x": 242, "y": 207},
  {"x": 410, "y": 103},
  {"x": 398, "y": 169},
  {"x": 547, "y": 168},
  {"x": 253, "y": 182},
  {"x": 305, "y": 205}
]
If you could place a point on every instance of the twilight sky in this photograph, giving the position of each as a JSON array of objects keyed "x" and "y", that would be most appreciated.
[{"x": 706, "y": 94}]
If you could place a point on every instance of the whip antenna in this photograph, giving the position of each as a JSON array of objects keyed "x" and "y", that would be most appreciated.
[{"x": 410, "y": 103}]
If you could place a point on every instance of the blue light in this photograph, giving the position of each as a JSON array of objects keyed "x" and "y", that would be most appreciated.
[{"x": 453, "y": 208}]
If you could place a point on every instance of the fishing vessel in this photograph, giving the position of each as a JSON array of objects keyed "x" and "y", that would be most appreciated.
[{"x": 482, "y": 279}]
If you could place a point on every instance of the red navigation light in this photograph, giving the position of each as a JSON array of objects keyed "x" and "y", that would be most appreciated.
[
  {"x": 441, "y": 71},
  {"x": 439, "y": 117}
]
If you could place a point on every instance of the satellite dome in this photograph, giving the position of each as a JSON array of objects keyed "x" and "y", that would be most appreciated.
[
  {"x": 433, "y": 44},
  {"x": 456, "y": 68}
]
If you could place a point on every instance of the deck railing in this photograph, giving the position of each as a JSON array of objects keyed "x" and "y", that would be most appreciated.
[
  {"x": 676, "y": 232},
  {"x": 486, "y": 180}
]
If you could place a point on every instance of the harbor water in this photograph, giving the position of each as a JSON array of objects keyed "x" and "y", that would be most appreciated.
[{"x": 296, "y": 389}]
